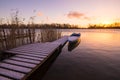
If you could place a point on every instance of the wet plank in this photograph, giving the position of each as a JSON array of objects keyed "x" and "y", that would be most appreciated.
[
  {"x": 62, "y": 40},
  {"x": 11, "y": 74},
  {"x": 14, "y": 67},
  {"x": 43, "y": 49},
  {"x": 4, "y": 78},
  {"x": 25, "y": 60},
  {"x": 24, "y": 64},
  {"x": 30, "y": 57},
  {"x": 29, "y": 53},
  {"x": 34, "y": 55}
]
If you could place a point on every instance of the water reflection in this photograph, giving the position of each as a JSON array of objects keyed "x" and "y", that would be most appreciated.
[
  {"x": 96, "y": 58},
  {"x": 73, "y": 45}
]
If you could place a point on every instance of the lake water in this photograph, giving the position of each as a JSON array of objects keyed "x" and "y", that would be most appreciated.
[{"x": 97, "y": 57}]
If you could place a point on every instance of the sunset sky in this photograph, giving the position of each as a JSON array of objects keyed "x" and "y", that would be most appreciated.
[{"x": 81, "y": 12}]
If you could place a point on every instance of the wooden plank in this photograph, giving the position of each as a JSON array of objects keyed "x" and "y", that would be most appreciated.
[
  {"x": 40, "y": 69},
  {"x": 33, "y": 53},
  {"x": 25, "y": 60},
  {"x": 20, "y": 63},
  {"x": 30, "y": 46},
  {"x": 29, "y": 52},
  {"x": 11, "y": 74},
  {"x": 29, "y": 57},
  {"x": 34, "y": 49},
  {"x": 62, "y": 40},
  {"x": 14, "y": 67},
  {"x": 4, "y": 78},
  {"x": 46, "y": 49}
]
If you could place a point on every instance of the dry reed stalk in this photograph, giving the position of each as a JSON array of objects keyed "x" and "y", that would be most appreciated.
[
  {"x": 22, "y": 36},
  {"x": 14, "y": 36},
  {"x": 48, "y": 35},
  {"x": 1, "y": 40},
  {"x": 4, "y": 37}
]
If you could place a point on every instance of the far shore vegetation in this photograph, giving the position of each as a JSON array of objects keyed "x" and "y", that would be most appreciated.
[{"x": 115, "y": 25}]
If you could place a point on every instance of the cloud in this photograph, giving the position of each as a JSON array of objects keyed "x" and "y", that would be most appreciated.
[
  {"x": 39, "y": 14},
  {"x": 78, "y": 15},
  {"x": 87, "y": 18},
  {"x": 75, "y": 14}
]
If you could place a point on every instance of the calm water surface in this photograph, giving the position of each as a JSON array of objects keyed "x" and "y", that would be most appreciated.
[{"x": 97, "y": 57}]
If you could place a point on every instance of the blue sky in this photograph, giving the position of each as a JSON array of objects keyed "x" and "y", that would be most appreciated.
[{"x": 63, "y": 11}]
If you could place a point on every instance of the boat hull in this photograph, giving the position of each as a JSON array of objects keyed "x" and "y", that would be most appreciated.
[
  {"x": 73, "y": 38},
  {"x": 73, "y": 44}
]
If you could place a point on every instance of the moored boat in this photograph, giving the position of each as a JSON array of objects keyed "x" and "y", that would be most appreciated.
[
  {"x": 74, "y": 44},
  {"x": 74, "y": 37}
]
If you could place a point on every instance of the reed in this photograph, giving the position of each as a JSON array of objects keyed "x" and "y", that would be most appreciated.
[
  {"x": 17, "y": 33},
  {"x": 49, "y": 35},
  {"x": 14, "y": 36}
]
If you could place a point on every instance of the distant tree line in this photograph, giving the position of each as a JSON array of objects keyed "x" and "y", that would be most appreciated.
[
  {"x": 40, "y": 26},
  {"x": 115, "y": 25}
]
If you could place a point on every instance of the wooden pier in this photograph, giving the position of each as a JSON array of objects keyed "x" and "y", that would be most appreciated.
[{"x": 30, "y": 62}]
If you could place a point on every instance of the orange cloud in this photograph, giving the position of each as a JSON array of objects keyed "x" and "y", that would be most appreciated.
[
  {"x": 39, "y": 14},
  {"x": 75, "y": 14}
]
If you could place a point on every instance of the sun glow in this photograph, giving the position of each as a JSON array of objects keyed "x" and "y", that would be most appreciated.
[{"x": 106, "y": 22}]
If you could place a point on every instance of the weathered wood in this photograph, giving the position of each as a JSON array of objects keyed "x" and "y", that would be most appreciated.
[
  {"x": 62, "y": 40},
  {"x": 40, "y": 48},
  {"x": 40, "y": 69},
  {"x": 26, "y": 53},
  {"x": 15, "y": 68},
  {"x": 20, "y": 63},
  {"x": 30, "y": 59},
  {"x": 25, "y": 60},
  {"x": 33, "y": 55},
  {"x": 4, "y": 78},
  {"x": 11, "y": 74}
]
